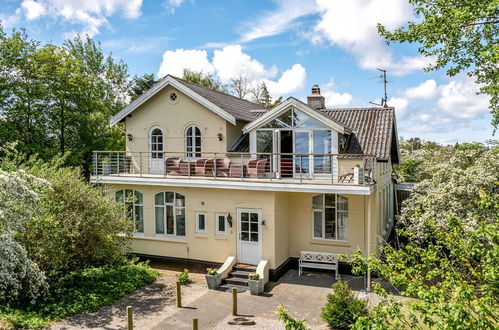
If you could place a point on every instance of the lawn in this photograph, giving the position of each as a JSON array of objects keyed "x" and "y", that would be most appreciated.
[{"x": 78, "y": 292}]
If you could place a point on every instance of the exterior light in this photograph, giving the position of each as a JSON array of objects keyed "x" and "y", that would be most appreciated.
[
  {"x": 130, "y": 137},
  {"x": 220, "y": 136},
  {"x": 229, "y": 220}
]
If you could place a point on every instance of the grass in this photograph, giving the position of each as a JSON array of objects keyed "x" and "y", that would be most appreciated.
[{"x": 78, "y": 292}]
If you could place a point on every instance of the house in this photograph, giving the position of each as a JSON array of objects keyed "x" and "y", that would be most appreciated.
[{"x": 213, "y": 178}]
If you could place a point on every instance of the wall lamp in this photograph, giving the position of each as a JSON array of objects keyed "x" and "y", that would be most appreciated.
[
  {"x": 129, "y": 136},
  {"x": 229, "y": 220},
  {"x": 220, "y": 136}
]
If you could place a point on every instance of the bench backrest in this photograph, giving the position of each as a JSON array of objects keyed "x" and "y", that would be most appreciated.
[{"x": 319, "y": 257}]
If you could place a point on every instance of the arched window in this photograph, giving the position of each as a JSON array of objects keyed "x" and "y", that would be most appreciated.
[
  {"x": 156, "y": 143},
  {"x": 193, "y": 141},
  {"x": 330, "y": 217},
  {"x": 169, "y": 208},
  {"x": 133, "y": 206}
]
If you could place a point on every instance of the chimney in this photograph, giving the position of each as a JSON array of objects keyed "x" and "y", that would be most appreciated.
[{"x": 315, "y": 100}]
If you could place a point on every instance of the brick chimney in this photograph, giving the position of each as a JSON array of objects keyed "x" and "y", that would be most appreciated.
[{"x": 315, "y": 100}]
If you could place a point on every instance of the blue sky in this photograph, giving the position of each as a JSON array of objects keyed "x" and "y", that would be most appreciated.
[{"x": 290, "y": 45}]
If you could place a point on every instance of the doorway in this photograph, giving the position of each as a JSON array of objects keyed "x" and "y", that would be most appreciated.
[{"x": 249, "y": 236}]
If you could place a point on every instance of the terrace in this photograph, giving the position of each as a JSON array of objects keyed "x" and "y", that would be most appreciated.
[{"x": 285, "y": 168}]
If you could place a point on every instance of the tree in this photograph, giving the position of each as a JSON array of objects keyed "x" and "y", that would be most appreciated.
[
  {"x": 240, "y": 86},
  {"x": 261, "y": 96},
  {"x": 462, "y": 35},
  {"x": 141, "y": 84},
  {"x": 204, "y": 79},
  {"x": 451, "y": 277}
]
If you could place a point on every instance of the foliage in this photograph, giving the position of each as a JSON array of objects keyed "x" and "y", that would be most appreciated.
[
  {"x": 453, "y": 179},
  {"x": 20, "y": 277},
  {"x": 141, "y": 84},
  {"x": 80, "y": 291},
  {"x": 260, "y": 95},
  {"x": 462, "y": 36},
  {"x": 204, "y": 79},
  {"x": 57, "y": 99},
  {"x": 253, "y": 277},
  {"x": 452, "y": 275},
  {"x": 211, "y": 271},
  {"x": 289, "y": 322},
  {"x": 183, "y": 277},
  {"x": 343, "y": 308}
]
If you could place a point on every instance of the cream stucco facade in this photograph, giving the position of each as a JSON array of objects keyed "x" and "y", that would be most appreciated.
[{"x": 286, "y": 224}]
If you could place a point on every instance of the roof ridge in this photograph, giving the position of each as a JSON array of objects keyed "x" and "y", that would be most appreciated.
[
  {"x": 358, "y": 108},
  {"x": 219, "y": 92}
]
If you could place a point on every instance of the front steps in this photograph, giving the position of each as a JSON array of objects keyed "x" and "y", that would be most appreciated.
[{"x": 238, "y": 278}]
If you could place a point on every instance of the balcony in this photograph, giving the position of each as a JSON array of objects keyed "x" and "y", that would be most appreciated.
[{"x": 291, "y": 168}]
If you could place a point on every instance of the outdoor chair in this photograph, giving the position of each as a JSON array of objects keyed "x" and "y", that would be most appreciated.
[
  {"x": 204, "y": 166},
  {"x": 172, "y": 164},
  {"x": 258, "y": 167},
  {"x": 222, "y": 166}
]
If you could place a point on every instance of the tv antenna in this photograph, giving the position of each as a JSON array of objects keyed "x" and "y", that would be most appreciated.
[{"x": 385, "y": 82}]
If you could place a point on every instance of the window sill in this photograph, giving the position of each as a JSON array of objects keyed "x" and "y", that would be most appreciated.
[
  {"x": 201, "y": 235},
  {"x": 162, "y": 239},
  {"x": 221, "y": 236},
  {"x": 329, "y": 242}
]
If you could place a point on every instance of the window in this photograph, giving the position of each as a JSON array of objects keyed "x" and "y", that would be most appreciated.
[
  {"x": 201, "y": 225},
  {"x": 156, "y": 143},
  {"x": 169, "y": 208},
  {"x": 133, "y": 207},
  {"x": 330, "y": 217},
  {"x": 221, "y": 223},
  {"x": 193, "y": 141}
]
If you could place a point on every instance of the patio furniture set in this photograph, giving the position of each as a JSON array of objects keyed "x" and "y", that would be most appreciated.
[{"x": 217, "y": 167}]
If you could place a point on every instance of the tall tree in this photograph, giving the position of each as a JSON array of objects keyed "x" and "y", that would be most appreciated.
[
  {"x": 462, "y": 35},
  {"x": 141, "y": 84},
  {"x": 240, "y": 86},
  {"x": 260, "y": 95},
  {"x": 204, "y": 79}
]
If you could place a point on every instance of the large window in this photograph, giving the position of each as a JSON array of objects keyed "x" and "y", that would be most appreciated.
[
  {"x": 330, "y": 217},
  {"x": 193, "y": 141},
  {"x": 133, "y": 206},
  {"x": 169, "y": 210}
]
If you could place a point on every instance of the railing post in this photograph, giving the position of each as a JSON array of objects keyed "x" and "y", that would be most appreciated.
[
  {"x": 301, "y": 167},
  {"x": 140, "y": 163},
  {"x": 164, "y": 164},
  {"x": 215, "y": 166},
  {"x": 189, "y": 167},
  {"x": 242, "y": 168},
  {"x": 96, "y": 171},
  {"x": 271, "y": 167},
  {"x": 118, "y": 161},
  {"x": 332, "y": 170}
]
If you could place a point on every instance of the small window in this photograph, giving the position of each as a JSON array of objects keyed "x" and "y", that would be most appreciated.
[
  {"x": 201, "y": 224},
  {"x": 173, "y": 97},
  {"x": 221, "y": 223}
]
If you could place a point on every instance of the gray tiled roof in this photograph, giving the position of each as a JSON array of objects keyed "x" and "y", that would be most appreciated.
[
  {"x": 372, "y": 127},
  {"x": 239, "y": 108}
]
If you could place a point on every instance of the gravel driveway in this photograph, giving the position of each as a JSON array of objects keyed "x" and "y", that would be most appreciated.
[{"x": 152, "y": 304}]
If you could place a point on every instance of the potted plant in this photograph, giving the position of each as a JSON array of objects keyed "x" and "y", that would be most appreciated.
[
  {"x": 106, "y": 166},
  {"x": 255, "y": 284},
  {"x": 213, "y": 279}
]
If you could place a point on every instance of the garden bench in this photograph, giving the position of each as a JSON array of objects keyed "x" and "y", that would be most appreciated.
[{"x": 319, "y": 260}]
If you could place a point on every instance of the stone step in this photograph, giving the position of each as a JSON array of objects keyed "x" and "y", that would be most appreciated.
[
  {"x": 240, "y": 274},
  {"x": 235, "y": 281},
  {"x": 244, "y": 268}
]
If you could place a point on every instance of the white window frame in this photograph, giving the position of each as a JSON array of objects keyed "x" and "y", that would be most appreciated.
[
  {"x": 134, "y": 204},
  {"x": 193, "y": 153},
  {"x": 175, "y": 208},
  {"x": 205, "y": 230},
  {"x": 156, "y": 154},
  {"x": 322, "y": 211},
  {"x": 217, "y": 229}
]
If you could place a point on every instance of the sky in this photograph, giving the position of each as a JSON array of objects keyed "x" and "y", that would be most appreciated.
[{"x": 288, "y": 44}]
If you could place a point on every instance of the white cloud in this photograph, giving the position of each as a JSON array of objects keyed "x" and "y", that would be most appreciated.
[
  {"x": 91, "y": 14},
  {"x": 32, "y": 9},
  {"x": 459, "y": 99},
  {"x": 10, "y": 21},
  {"x": 290, "y": 81},
  {"x": 175, "y": 61},
  {"x": 277, "y": 21},
  {"x": 333, "y": 97},
  {"x": 400, "y": 105},
  {"x": 231, "y": 62},
  {"x": 172, "y": 5},
  {"x": 425, "y": 91}
]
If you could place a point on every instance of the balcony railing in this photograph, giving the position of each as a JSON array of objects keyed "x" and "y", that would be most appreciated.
[{"x": 292, "y": 167}]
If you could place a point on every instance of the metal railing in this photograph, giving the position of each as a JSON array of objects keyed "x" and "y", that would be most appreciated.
[{"x": 334, "y": 168}]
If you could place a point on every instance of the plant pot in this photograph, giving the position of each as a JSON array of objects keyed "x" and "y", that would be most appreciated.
[
  {"x": 213, "y": 281},
  {"x": 255, "y": 286},
  {"x": 106, "y": 168}
]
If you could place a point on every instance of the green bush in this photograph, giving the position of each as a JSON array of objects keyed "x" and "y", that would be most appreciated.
[
  {"x": 80, "y": 291},
  {"x": 253, "y": 277},
  {"x": 289, "y": 322},
  {"x": 211, "y": 271},
  {"x": 183, "y": 277},
  {"x": 343, "y": 308}
]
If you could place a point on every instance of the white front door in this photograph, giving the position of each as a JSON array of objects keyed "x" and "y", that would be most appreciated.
[
  {"x": 156, "y": 160},
  {"x": 249, "y": 236}
]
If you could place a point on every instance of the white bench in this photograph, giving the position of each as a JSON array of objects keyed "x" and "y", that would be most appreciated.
[{"x": 319, "y": 260}]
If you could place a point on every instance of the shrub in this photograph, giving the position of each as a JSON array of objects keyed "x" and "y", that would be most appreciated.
[
  {"x": 211, "y": 271},
  {"x": 253, "y": 277},
  {"x": 289, "y": 322},
  {"x": 343, "y": 308},
  {"x": 183, "y": 277},
  {"x": 80, "y": 291}
]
